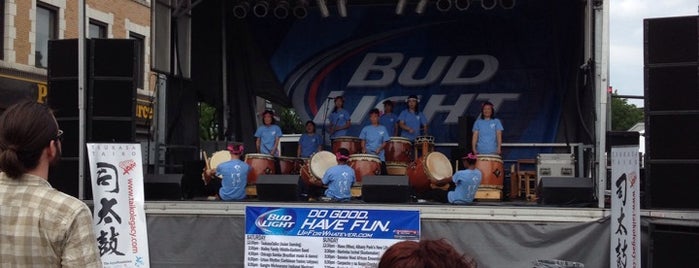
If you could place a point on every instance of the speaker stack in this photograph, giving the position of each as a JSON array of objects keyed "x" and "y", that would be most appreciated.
[
  {"x": 110, "y": 100},
  {"x": 671, "y": 106}
]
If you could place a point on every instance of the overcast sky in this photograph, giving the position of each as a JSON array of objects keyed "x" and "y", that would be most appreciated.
[{"x": 626, "y": 39}]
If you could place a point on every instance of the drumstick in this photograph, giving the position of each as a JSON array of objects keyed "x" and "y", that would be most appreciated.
[{"x": 204, "y": 177}]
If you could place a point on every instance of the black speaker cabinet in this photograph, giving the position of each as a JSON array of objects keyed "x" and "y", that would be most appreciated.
[
  {"x": 673, "y": 244},
  {"x": 162, "y": 186},
  {"x": 386, "y": 189},
  {"x": 277, "y": 187},
  {"x": 565, "y": 191}
]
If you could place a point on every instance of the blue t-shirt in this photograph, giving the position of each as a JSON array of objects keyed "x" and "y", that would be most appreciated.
[
  {"x": 389, "y": 121},
  {"x": 467, "y": 182},
  {"x": 487, "y": 140},
  {"x": 337, "y": 119},
  {"x": 268, "y": 135},
  {"x": 413, "y": 121},
  {"x": 339, "y": 180},
  {"x": 309, "y": 144},
  {"x": 235, "y": 178},
  {"x": 374, "y": 137}
]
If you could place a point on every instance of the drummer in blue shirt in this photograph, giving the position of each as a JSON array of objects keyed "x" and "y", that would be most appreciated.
[
  {"x": 374, "y": 138},
  {"x": 389, "y": 119},
  {"x": 268, "y": 135},
  {"x": 309, "y": 142},
  {"x": 340, "y": 178},
  {"x": 487, "y": 132},
  {"x": 339, "y": 119},
  {"x": 233, "y": 174},
  {"x": 411, "y": 120}
]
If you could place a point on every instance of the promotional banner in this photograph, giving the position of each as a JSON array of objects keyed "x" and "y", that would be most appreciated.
[
  {"x": 626, "y": 218},
  {"x": 319, "y": 237},
  {"x": 119, "y": 217}
]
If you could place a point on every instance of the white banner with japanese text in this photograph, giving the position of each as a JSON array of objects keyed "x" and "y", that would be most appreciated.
[
  {"x": 119, "y": 218},
  {"x": 625, "y": 250}
]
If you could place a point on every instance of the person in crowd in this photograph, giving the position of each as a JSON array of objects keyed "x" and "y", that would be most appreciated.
[
  {"x": 460, "y": 188},
  {"x": 339, "y": 119},
  {"x": 233, "y": 174},
  {"x": 425, "y": 254},
  {"x": 40, "y": 226},
  {"x": 309, "y": 142},
  {"x": 268, "y": 135},
  {"x": 374, "y": 138},
  {"x": 388, "y": 119},
  {"x": 487, "y": 132},
  {"x": 411, "y": 121},
  {"x": 340, "y": 178}
]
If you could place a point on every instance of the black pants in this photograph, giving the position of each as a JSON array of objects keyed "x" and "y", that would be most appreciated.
[{"x": 438, "y": 195}]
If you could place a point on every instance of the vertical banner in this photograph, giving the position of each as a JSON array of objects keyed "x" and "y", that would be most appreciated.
[
  {"x": 322, "y": 237},
  {"x": 626, "y": 220},
  {"x": 117, "y": 190}
]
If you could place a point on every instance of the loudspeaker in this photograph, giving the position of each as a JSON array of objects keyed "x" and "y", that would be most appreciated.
[
  {"x": 465, "y": 132},
  {"x": 386, "y": 189},
  {"x": 673, "y": 244},
  {"x": 162, "y": 186},
  {"x": 565, "y": 191},
  {"x": 277, "y": 187}
]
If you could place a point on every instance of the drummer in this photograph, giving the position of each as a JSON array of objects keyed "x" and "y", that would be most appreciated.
[
  {"x": 460, "y": 188},
  {"x": 309, "y": 142},
  {"x": 388, "y": 119},
  {"x": 340, "y": 178},
  {"x": 233, "y": 174},
  {"x": 268, "y": 135},
  {"x": 374, "y": 138},
  {"x": 411, "y": 120},
  {"x": 339, "y": 119},
  {"x": 487, "y": 132}
]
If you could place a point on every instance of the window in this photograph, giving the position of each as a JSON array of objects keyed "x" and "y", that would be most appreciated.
[
  {"x": 140, "y": 69},
  {"x": 97, "y": 29},
  {"x": 45, "y": 31}
]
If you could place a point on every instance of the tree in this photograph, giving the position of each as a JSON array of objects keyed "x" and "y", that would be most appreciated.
[{"x": 624, "y": 114}]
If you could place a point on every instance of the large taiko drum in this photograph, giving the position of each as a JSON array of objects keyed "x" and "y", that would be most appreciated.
[
  {"x": 218, "y": 158},
  {"x": 492, "y": 169},
  {"x": 289, "y": 165},
  {"x": 312, "y": 172},
  {"x": 259, "y": 164},
  {"x": 398, "y": 149},
  {"x": 433, "y": 165},
  {"x": 396, "y": 168},
  {"x": 364, "y": 165},
  {"x": 352, "y": 144}
]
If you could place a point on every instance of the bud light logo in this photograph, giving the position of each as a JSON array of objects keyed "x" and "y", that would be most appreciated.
[{"x": 276, "y": 222}]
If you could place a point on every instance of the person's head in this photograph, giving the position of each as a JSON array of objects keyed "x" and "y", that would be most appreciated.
[
  {"x": 374, "y": 116},
  {"x": 342, "y": 155},
  {"x": 469, "y": 160},
  {"x": 424, "y": 254},
  {"x": 487, "y": 110},
  {"x": 387, "y": 106},
  {"x": 29, "y": 134},
  {"x": 413, "y": 103},
  {"x": 310, "y": 127},
  {"x": 268, "y": 117},
  {"x": 236, "y": 150},
  {"x": 339, "y": 103}
]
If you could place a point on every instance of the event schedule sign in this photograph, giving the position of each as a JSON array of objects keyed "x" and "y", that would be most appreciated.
[
  {"x": 322, "y": 237},
  {"x": 626, "y": 218},
  {"x": 119, "y": 218}
]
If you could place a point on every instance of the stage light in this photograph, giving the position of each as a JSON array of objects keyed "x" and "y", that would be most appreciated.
[
  {"x": 462, "y": 5},
  {"x": 342, "y": 8},
  {"x": 260, "y": 8},
  {"x": 240, "y": 10},
  {"x": 489, "y": 4},
  {"x": 323, "y": 7},
  {"x": 300, "y": 10},
  {"x": 443, "y": 5},
  {"x": 507, "y": 4},
  {"x": 281, "y": 10},
  {"x": 400, "y": 7},
  {"x": 421, "y": 7}
]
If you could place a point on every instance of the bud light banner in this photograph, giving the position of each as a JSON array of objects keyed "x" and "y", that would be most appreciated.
[
  {"x": 522, "y": 59},
  {"x": 318, "y": 237}
]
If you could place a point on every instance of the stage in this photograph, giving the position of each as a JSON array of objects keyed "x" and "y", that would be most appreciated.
[{"x": 498, "y": 234}]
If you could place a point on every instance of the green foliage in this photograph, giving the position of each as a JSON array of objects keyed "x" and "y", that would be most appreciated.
[
  {"x": 290, "y": 122},
  {"x": 624, "y": 114},
  {"x": 208, "y": 127}
]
